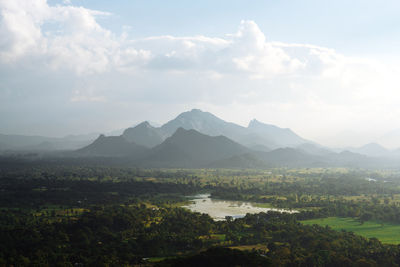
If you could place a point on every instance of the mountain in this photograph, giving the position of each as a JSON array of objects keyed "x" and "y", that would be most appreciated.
[
  {"x": 41, "y": 143},
  {"x": 192, "y": 148},
  {"x": 254, "y": 140},
  {"x": 197, "y": 138},
  {"x": 289, "y": 157},
  {"x": 390, "y": 139},
  {"x": 112, "y": 146},
  {"x": 247, "y": 161},
  {"x": 351, "y": 159},
  {"x": 144, "y": 134},
  {"x": 13, "y": 142},
  {"x": 372, "y": 150},
  {"x": 293, "y": 157},
  {"x": 314, "y": 149},
  {"x": 43, "y": 146},
  {"x": 282, "y": 137},
  {"x": 200, "y": 139},
  {"x": 258, "y": 147},
  {"x": 21, "y": 141},
  {"x": 203, "y": 122},
  {"x": 256, "y": 134}
]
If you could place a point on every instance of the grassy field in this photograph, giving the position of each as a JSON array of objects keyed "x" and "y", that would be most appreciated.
[
  {"x": 386, "y": 233},
  {"x": 259, "y": 247}
]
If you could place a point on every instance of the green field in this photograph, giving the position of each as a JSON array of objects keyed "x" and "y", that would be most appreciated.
[{"x": 386, "y": 233}]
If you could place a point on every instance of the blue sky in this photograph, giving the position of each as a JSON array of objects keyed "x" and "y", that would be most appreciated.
[
  {"x": 326, "y": 69},
  {"x": 351, "y": 27}
]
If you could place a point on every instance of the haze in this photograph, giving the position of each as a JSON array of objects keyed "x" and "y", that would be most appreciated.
[{"x": 329, "y": 71}]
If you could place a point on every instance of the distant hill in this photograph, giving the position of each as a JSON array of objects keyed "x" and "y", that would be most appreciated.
[
  {"x": 144, "y": 134},
  {"x": 282, "y": 137},
  {"x": 372, "y": 150},
  {"x": 200, "y": 139},
  {"x": 247, "y": 161},
  {"x": 351, "y": 159},
  {"x": 258, "y": 147},
  {"x": 43, "y": 146},
  {"x": 40, "y": 143},
  {"x": 257, "y": 135},
  {"x": 112, "y": 146},
  {"x": 290, "y": 157},
  {"x": 192, "y": 148},
  {"x": 390, "y": 139},
  {"x": 314, "y": 149},
  {"x": 21, "y": 141}
]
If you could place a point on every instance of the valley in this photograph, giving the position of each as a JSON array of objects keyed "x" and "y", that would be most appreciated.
[{"x": 147, "y": 214}]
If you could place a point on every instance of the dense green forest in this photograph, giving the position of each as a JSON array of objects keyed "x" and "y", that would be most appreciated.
[{"x": 98, "y": 215}]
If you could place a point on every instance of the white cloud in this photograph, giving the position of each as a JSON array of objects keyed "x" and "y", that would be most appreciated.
[
  {"x": 61, "y": 37},
  {"x": 246, "y": 51},
  {"x": 69, "y": 37}
]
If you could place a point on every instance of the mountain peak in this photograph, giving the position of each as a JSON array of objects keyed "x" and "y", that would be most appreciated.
[
  {"x": 196, "y": 110},
  {"x": 145, "y": 124},
  {"x": 371, "y": 149},
  {"x": 180, "y": 130},
  {"x": 111, "y": 146},
  {"x": 277, "y": 135},
  {"x": 189, "y": 145},
  {"x": 254, "y": 122},
  {"x": 198, "y": 120},
  {"x": 195, "y": 114},
  {"x": 143, "y": 134}
]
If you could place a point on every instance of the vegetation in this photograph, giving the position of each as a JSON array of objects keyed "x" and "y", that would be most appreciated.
[
  {"x": 386, "y": 232},
  {"x": 99, "y": 215},
  {"x": 120, "y": 235}
]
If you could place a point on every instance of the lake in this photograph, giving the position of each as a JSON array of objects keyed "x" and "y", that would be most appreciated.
[{"x": 218, "y": 209}]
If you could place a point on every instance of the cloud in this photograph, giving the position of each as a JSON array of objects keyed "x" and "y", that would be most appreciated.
[
  {"x": 69, "y": 37},
  {"x": 60, "y": 37},
  {"x": 66, "y": 37},
  {"x": 246, "y": 51}
]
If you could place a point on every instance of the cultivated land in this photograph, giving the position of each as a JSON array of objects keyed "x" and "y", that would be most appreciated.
[{"x": 387, "y": 233}]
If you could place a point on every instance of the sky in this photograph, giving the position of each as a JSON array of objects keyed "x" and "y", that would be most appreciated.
[{"x": 329, "y": 70}]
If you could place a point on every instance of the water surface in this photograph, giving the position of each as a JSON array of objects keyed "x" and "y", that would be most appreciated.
[{"x": 218, "y": 209}]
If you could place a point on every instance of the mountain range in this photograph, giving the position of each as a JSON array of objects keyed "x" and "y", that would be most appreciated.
[
  {"x": 256, "y": 134},
  {"x": 42, "y": 143},
  {"x": 200, "y": 139}
]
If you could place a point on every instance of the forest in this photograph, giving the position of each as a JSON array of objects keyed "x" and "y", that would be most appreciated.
[{"x": 91, "y": 215}]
